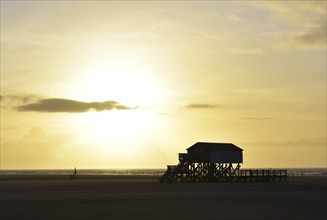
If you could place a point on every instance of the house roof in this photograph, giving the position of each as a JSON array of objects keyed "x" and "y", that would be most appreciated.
[{"x": 215, "y": 146}]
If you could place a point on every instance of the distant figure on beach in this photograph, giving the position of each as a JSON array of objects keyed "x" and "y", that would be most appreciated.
[{"x": 74, "y": 174}]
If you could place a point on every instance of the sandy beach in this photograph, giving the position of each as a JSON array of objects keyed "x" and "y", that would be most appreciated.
[{"x": 142, "y": 197}]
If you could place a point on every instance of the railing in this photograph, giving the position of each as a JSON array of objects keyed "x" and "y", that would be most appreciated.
[
  {"x": 184, "y": 173},
  {"x": 262, "y": 175}
]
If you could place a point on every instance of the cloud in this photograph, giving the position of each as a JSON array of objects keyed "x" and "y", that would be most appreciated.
[
  {"x": 200, "y": 106},
  {"x": 306, "y": 19},
  {"x": 259, "y": 118},
  {"x": 9, "y": 101},
  {"x": 18, "y": 98},
  {"x": 71, "y": 106},
  {"x": 312, "y": 36}
]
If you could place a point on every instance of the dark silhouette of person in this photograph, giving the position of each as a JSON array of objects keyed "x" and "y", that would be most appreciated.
[{"x": 75, "y": 172}]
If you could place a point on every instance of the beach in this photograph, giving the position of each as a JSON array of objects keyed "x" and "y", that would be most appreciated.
[{"x": 142, "y": 197}]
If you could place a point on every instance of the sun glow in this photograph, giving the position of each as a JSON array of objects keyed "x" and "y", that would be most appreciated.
[
  {"x": 127, "y": 79},
  {"x": 123, "y": 78},
  {"x": 115, "y": 130}
]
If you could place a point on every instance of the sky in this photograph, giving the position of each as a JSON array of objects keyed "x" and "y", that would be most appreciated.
[{"x": 130, "y": 84}]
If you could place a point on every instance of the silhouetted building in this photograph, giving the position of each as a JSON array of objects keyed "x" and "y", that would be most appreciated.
[
  {"x": 216, "y": 162},
  {"x": 203, "y": 152}
]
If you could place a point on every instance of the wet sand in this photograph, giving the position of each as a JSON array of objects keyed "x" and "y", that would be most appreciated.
[{"x": 142, "y": 197}]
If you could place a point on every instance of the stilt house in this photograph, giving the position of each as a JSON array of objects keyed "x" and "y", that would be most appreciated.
[
  {"x": 215, "y": 162},
  {"x": 203, "y": 152}
]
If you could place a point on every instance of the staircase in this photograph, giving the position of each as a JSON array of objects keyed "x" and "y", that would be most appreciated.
[{"x": 176, "y": 173}]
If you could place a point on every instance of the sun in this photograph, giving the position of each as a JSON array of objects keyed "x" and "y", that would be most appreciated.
[
  {"x": 128, "y": 80},
  {"x": 122, "y": 78},
  {"x": 122, "y": 129}
]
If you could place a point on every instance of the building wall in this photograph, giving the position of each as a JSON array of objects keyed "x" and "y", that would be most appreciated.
[
  {"x": 198, "y": 155},
  {"x": 226, "y": 156}
]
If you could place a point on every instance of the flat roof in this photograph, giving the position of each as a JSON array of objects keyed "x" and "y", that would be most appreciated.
[{"x": 215, "y": 146}]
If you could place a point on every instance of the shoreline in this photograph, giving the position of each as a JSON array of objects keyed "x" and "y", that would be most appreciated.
[
  {"x": 4, "y": 177},
  {"x": 143, "y": 197}
]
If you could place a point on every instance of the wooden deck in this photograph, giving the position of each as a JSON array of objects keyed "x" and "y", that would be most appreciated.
[
  {"x": 262, "y": 175},
  {"x": 186, "y": 173}
]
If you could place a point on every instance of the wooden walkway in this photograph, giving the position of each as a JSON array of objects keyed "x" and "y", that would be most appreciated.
[
  {"x": 262, "y": 175},
  {"x": 184, "y": 173}
]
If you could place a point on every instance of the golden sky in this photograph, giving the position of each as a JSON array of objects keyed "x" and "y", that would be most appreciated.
[{"x": 129, "y": 84}]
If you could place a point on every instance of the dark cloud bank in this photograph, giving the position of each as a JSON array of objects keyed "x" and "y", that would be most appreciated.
[
  {"x": 200, "y": 106},
  {"x": 71, "y": 106}
]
